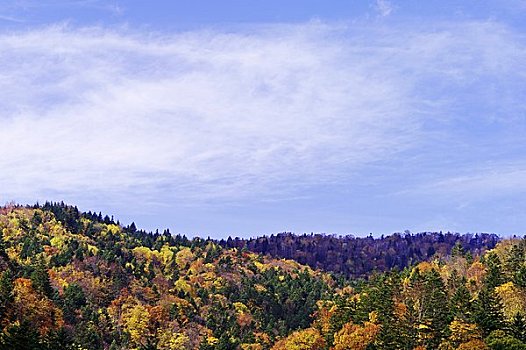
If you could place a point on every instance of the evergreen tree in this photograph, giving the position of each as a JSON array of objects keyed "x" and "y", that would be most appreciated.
[
  {"x": 458, "y": 250},
  {"x": 20, "y": 337},
  {"x": 73, "y": 299},
  {"x": 487, "y": 312},
  {"x": 6, "y": 289},
  {"x": 518, "y": 327},
  {"x": 494, "y": 277},
  {"x": 515, "y": 258},
  {"x": 499, "y": 340},
  {"x": 436, "y": 308},
  {"x": 380, "y": 299},
  {"x": 3, "y": 253},
  {"x": 461, "y": 303},
  {"x": 41, "y": 282},
  {"x": 519, "y": 277}
]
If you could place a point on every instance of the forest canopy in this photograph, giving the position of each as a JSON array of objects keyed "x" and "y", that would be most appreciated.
[{"x": 72, "y": 280}]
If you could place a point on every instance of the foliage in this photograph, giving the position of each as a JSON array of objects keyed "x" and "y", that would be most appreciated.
[
  {"x": 360, "y": 256},
  {"x": 72, "y": 280}
]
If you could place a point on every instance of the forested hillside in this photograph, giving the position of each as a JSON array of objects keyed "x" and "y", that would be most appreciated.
[
  {"x": 360, "y": 256},
  {"x": 73, "y": 280}
]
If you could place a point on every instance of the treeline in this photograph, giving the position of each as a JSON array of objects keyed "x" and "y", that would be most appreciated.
[
  {"x": 360, "y": 256},
  {"x": 71, "y": 280},
  {"x": 457, "y": 303},
  {"x": 74, "y": 281}
]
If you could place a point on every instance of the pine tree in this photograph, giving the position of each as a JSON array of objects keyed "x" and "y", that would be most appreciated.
[
  {"x": 381, "y": 301},
  {"x": 73, "y": 299},
  {"x": 519, "y": 278},
  {"x": 515, "y": 259},
  {"x": 6, "y": 290},
  {"x": 41, "y": 282},
  {"x": 487, "y": 312},
  {"x": 461, "y": 303},
  {"x": 21, "y": 337},
  {"x": 518, "y": 327},
  {"x": 494, "y": 278},
  {"x": 436, "y": 308},
  {"x": 3, "y": 253},
  {"x": 458, "y": 250}
]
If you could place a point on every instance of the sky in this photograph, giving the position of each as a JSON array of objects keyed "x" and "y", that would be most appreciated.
[{"x": 244, "y": 118}]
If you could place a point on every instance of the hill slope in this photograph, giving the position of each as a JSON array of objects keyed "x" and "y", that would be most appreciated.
[
  {"x": 89, "y": 282},
  {"x": 73, "y": 280}
]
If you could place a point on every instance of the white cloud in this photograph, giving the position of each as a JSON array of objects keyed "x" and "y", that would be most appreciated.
[
  {"x": 223, "y": 114},
  {"x": 384, "y": 7},
  {"x": 479, "y": 183},
  {"x": 26, "y": 11},
  {"x": 10, "y": 19}
]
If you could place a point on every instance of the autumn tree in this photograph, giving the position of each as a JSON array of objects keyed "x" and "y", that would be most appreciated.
[
  {"x": 355, "y": 337},
  {"x": 308, "y": 339}
]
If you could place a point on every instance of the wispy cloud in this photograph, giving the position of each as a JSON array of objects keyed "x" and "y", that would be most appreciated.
[
  {"x": 16, "y": 9},
  {"x": 10, "y": 19},
  {"x": 384, "y": 7},
  {"x": 493, "y": 181},
  {"x": 209, "y": 114}
]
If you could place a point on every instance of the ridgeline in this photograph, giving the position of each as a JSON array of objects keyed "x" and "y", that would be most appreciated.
[{"x": 72, "y": 280}]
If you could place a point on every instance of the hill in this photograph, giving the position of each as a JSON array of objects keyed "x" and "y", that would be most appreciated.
[{"x": 72, "y": 280}]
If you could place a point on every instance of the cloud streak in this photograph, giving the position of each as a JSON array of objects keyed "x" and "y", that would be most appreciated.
[
  {"x": 258, "y": 112},
  {"x": 384, "y": 7},
  {"x": 10, "y": 19},
  {"x": 498, "y": 180}
]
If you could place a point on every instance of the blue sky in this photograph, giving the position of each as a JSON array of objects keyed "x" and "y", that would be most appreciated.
[{"x": 219, "y": 118}]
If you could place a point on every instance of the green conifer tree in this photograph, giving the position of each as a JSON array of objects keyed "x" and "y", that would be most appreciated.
[
  {"x": 461, "y": 303},
  {"x": 41, "y": 282},
  {"x": 436, "y": 308},
  {"x": 487, "y": 312},
  {"x": 494, "y": 277},
  {"x": 518, "y": 327},
  {"x": 6, "y": 289}
]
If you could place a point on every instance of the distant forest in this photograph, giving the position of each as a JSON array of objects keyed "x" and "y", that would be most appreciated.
[{"x": 360, "y": 256}]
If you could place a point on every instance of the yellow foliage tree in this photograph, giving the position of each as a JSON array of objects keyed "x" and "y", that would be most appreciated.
[
  {"x": 184, "y": 257},
  {"x": 462, "y": 332},
  {"x": 136, "y": 320},
  {"x": 463, "y": 336},
  {"x": 307, "y": 339},
  {"x": 168, "y": 340},
  {"x": 513, "y": 298},
  {"x": 476, "y": 344},
  {"x": 355, "y": 337}
]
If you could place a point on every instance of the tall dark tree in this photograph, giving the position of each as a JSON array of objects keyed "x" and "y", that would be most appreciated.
[
  {"x": 436, "y": 308},
  {"x": 494, "y": 277},
  {"x": 461, "y": 304},
  {"x": 519, "y": 277},
  {"x": 488, "y": 312},
  {"x": 518, "y": 327},
  {"x": 73, "y": 299},
  {"x": 6, "y": 290},
  {"x": 2, "y": 247},
  {"x": 20, "y": 337},
  {"x": 41, "y": 282}
]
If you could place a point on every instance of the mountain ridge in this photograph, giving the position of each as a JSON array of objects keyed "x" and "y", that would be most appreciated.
[{"x": 75, "y": 281}]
